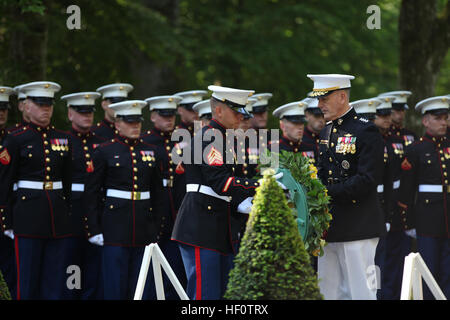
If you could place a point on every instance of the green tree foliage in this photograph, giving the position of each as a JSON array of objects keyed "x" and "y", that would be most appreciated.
[
  {"x": 272, "y": 263},
  {"x": 166, "y": 46}
]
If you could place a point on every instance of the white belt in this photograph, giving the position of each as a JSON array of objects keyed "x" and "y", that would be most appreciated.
[
  {"x": 380, "y": 188},
  {"x": 78, "y": 187},
  {"x": 129, "y": 195},
  {"x": 430, "y": 188},
  {"x": 38, "y": 185},
  {"x": 192, "y": 187},
  {"x": 396, "y": 184}
]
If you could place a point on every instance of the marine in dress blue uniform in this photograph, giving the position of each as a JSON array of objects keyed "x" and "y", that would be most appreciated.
[
  {"x": 314, "y": 124},
  {"x": 207, "y": 225},
  {"x": 162, "y": 114},
  {"x": 7, "y": 259},
  {"x": 185, "y": 108},
  {"x": 111, "y": 93},
  {"x": 399, "y": 107},
  {"x": 424, "y": 196},
  {"x": 128, "y": 171},
  {"x": 203, "y": 109},
  {"x": 39, "y": 159},
  {"x": 292, "y": 124},
  {"x": 350, "y": 158},
  {"x": 87, "y": 256}
]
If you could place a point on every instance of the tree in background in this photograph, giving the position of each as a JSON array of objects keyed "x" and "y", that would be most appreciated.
[
  {"x": 4, "y": 291},
  {"x": 166, "y": 46}
]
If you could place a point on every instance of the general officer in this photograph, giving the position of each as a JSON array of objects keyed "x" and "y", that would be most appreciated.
[
  {"x": 207, "y": 226},
  {"x": 424, "y": 196},
  {"x": 399, "y": 107},
  {"x": 128, "y": 170},
  {"x": 111, "y": 93},
  {"x": 7, "y": 261},
  {"x": 292, "y": 125},
  {"x": 350, "y": 158},
  {"x": 87, "y": 256},
  {"x": 162, "y": 114},
  {"x": 39, "y": 158},
  {"x": 187, "y": 115},
  {"x": 314, "y": 124}
]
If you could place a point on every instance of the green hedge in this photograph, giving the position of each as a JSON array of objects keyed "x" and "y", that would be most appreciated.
[
  {"x": 4, "y": 292},
  {"x": 272, "y": 263}
]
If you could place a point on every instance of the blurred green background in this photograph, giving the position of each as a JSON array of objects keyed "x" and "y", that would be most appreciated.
[{"x": 166, "y": 46}]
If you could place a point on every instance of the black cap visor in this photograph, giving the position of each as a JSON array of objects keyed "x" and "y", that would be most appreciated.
[
  {"x": 295, "y": 119},
  {"x": 166, "y": 112},
  {"x": 83, "y": 108},
  {"x": 438, "y": 112},
  {"x": 115, "y": 99},
  {"x": 131, "y": 118},
  {"x": 259, "y": 109},
  {"x": 42, "y": 101},
  {"x": 399, "y": 106},
  {"x": 4, "y": 105},
  {"x": 384, "y": 112}
]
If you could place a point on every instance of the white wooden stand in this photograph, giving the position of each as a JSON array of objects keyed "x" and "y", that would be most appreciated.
[
  {"x": 413, "y": 271},
  {"x": 153, "y": 251}
]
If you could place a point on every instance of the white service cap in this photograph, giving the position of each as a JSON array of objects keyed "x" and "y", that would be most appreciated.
[
  {"x": 82, "y": 101},
  {"x": 5, "y": 92},
  {"x": 192, "y": 96},
  {"x": 164, "y": 105},
  {"x": 325, "y": 84},
  {"x": 366, "y": 107},
  {"x": 435, "y": 105},
  {"x": 129, "y": 110},
  {"x": 203, "y": 108},
  {"x": 293, "y": 111},
  {"x": 115, "y": 90},
  {"x": 234, "y": 98}
]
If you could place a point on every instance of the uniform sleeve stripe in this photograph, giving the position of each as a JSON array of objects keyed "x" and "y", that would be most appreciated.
[{"x": 227, "y": 184}]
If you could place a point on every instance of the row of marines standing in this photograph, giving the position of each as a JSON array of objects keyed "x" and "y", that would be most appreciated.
[{"x": 154, "y": 150}]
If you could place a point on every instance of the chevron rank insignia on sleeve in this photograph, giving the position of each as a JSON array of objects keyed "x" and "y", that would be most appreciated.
[{"x": 215, "y": 157}]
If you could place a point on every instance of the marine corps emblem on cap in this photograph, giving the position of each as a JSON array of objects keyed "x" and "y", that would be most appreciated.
[{"x": 325, "y": 84}]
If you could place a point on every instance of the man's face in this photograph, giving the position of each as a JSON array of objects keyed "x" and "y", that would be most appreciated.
[
  {"x": 81, "y": 121},
  {"x": 333, "y": 105},
  {"x": 187, "y": 116},
  {"x": 245, "y": 124},
  {"x": 131, "y": 130},
  {"x": 259, "y": 120},
  {"x": 163, "y": 123},
  {"x": 39, "y": 114},
  {"x": 435, "y": 125},
  {"x": 109, "y": 113},
  {"x": 292, "y": 130},
  {"x": 3, "y": 117},
  {"x": 21, "y": 107},
  {"x": 228, "y": 117},
  {"x": 383, "y": 121},
  {"x": 398, "y": 116},
  {"x": 316, "y": 122}
]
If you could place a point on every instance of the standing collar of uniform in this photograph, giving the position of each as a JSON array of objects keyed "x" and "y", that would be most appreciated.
[
  {"x": 39, "y": 128},
  {"x": 186, "y": 126},
  {"x": 289, "y": 142},
  {"x": 310, "y": 133},
  {"x": 108, "y": 123},
  {"x": 127, "y": 141},
  {"x": 214, "y": 123},
  {"x": 433, "y": 138},
  {"x": 81, "y": 134},
  {"x": 350, "y": 114},
  {"x": 161, "y": 133}
]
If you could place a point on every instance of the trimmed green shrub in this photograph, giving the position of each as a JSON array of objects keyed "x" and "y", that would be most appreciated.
[
  {"x": 4, "y": 292},
  {"x": 272, "y": 263}
]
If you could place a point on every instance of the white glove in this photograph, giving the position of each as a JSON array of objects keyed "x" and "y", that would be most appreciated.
[
  {"x": 245, "y": 206},
  {"x": 411, "y": 233},
  {"x": 9, "y": 233},
  {"x": 388, "y": 226},
  {"x": 279, "y": 175},
  {"x": 97, "y": 239}
]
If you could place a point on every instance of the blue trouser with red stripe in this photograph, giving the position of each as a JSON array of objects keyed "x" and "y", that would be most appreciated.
[
  {"x": 436, "y": 254},
  {"x": 207, "y": 272},
  {"x": 41, "y": 267}
]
